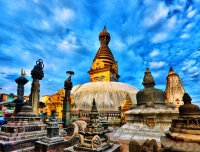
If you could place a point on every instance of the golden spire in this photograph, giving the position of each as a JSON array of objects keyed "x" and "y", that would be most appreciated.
[{"x": 104, "y": 66}]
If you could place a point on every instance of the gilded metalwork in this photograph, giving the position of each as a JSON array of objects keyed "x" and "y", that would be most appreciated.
[{"x": 104, "y": 61}]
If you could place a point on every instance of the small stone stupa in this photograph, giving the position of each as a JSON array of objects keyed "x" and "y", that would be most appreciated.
[
  {"x": 149, "y": 118},
  {"x": 94, "y": 138},
  {"x": 184, "y": 133},
  {"x": 22, "y": 131}
]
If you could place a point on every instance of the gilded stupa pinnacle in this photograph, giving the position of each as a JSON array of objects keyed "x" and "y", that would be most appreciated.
[{"x": 104, "y": 67}]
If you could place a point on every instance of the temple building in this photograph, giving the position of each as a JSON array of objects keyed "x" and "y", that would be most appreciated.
[
  {"x": 103, "y": 86},
  {"x": 174, "y": 89}
]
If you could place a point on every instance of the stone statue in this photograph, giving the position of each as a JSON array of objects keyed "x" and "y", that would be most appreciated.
[{"x": 149, "y": 146}]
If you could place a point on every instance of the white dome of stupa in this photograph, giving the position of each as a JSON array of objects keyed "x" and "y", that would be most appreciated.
[{"x": 108, "y": 95}]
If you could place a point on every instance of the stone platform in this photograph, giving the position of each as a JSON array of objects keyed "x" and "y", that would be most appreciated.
[
  {"x": 6, "y": 146},
  {"x": 177, "y": 146},
  {"x": 114, "y": 148}
]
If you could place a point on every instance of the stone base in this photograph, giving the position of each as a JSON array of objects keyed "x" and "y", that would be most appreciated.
[
  {"x": 114, "y": 148},
  {"x": 17, "y": 145},
  {"x": 50, "y": 146},
  {"x": 177, "y": 146}
]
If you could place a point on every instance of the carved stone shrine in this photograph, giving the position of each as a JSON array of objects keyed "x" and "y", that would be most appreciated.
[
  {"x": 94, "y": 138},
  {"x": 53, "y": 142},
  {"x": 184, "y": 133}
]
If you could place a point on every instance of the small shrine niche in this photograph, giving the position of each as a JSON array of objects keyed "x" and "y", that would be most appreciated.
[{"x": 150, "y": 122}]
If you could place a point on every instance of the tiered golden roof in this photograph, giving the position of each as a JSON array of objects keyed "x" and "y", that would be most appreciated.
[{"x": 104, "y": 66}]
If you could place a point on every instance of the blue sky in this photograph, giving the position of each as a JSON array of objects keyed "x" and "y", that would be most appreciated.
[{"x": 64, "y": 34}]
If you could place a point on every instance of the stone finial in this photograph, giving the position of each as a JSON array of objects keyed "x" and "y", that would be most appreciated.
[
  {"x": 105, "y": 33},
  {"x": 68, "y": 83},
  {"x": 37, "y": 71},
  {"x": 187, "y": 99},
  {"x": 94, "y": 107},
  {"x": 148, "y": 80}
]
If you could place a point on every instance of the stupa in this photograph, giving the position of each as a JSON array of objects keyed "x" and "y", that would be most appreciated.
[
  {"x": 184, "y": 133},
  {"x": 174, "y": 88},
  {"x": 94, "y": 138},
  {"x": 103, "y": 85},
  {"x": 149, "y": 118}
]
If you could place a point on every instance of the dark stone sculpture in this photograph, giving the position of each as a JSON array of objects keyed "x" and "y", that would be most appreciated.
[
  {"x": 37, "y": 72},
  {"x": 67, "y": 102},
  {"x": 149, "y": 146}
]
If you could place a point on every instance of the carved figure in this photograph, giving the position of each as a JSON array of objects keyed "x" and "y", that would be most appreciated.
[
  {"x": 149, "y": 146},
  {"x": 96, "y": 142}
]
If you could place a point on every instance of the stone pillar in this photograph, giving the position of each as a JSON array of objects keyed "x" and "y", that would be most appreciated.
[
  {"x": 37, "y": 74},
  {"x": 21, "y": 81},
  {"x": 67, "y": 102}
]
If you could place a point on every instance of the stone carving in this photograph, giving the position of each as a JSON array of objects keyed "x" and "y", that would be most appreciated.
[
  {"x": 94, "y": 136},
  {"x": 149, "y": 104},
  {"x": 149, "y": 146},
  {"x": 39, "y": 64}
]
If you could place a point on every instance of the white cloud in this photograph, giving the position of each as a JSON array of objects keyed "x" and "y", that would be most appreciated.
[
  {"x": 118, "y": 45},
  {"x": 133, "y": 39},
  {"x": 62, "y": 16},
  {"x": 185, "y": 36},
  {"x": 154, "y": 53},
  {"x": 191, "y": 14},
  {"x": 45, "y": 24},
  {"x": 159, "y": 37},
  {"x": 156, "y": 14},
  {"x": 156, "y": 65}
]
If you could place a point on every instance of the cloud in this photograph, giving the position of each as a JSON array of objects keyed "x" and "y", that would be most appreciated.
[
  {"x": 156, "y": 65},
  {"x": 150, "y": 33}
]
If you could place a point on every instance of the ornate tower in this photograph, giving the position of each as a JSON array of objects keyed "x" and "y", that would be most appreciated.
[
  {"x": 104, "y": 66},
  {"x": 174, "y": 88}
]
